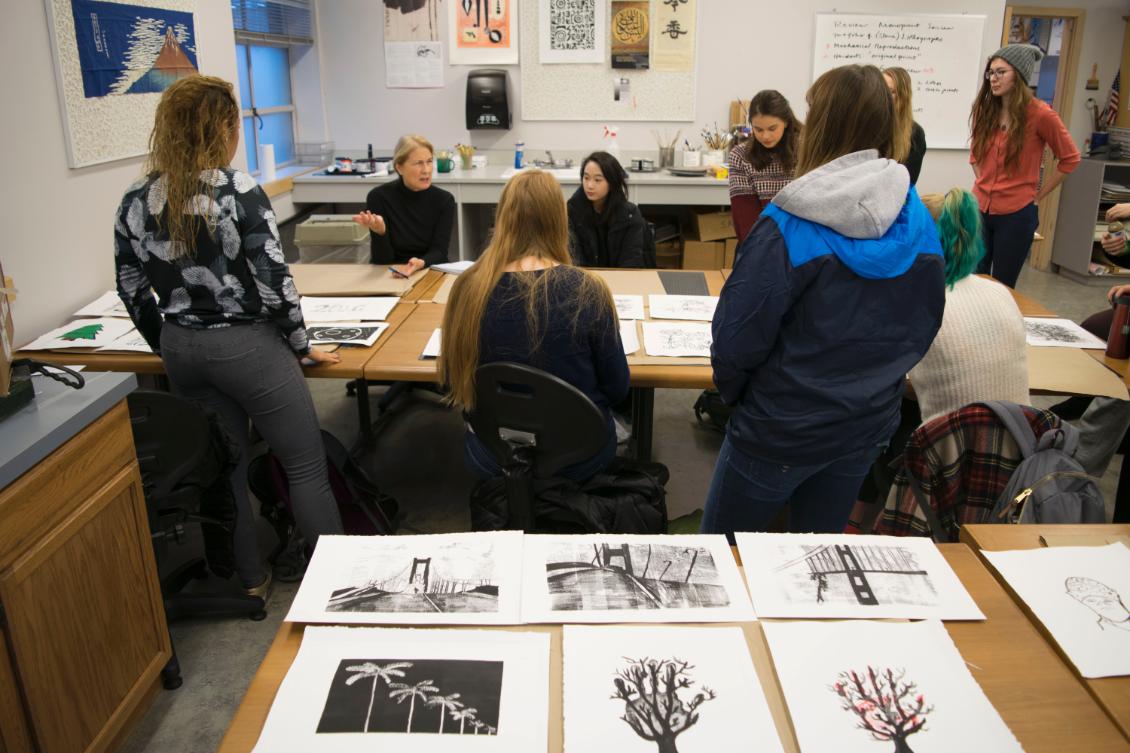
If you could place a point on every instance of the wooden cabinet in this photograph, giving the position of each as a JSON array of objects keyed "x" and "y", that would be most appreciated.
[
  {"x": 83, "y": 624},
  {"x": 1080, "y": 207}
]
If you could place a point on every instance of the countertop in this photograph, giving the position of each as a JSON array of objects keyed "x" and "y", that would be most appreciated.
[{"x": 55, "y": 415}]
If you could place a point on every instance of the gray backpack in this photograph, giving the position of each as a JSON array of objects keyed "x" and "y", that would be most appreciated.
[{"x": 1049, "y": 485}]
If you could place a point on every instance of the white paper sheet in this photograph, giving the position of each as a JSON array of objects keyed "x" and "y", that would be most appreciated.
[
  {"x": 629, "y": 306},
  {"x": 488, "y": 690},
  {"x": 1045, "y": 332},
  {"x": 614, "y": 578},
  {"x": 107, "y": 304},
  {"x": 840, "y": 575},
  {"x": 347, "y": 309},
  {"x": 413, "y": 65},
  {"x": 722, "y": 689},
  {"x": 362, "y": 334},
  {"x": 432, "y": 347},
  {"x": 699, "y": 308},
  {"x": 130, "y": 342},
  {"x": 677, "y": 339},
  {"x": 453, "y": 267},
  {"x": 814, "y": 662},
  {"x": 629, "y": 337},
  {"x": 1081, "y": 595},
  {"x": 441, "y": 579},
  {"x": 82, "y": 333}
]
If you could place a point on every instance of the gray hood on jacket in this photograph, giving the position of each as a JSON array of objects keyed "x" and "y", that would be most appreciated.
[{"x": 858, "y": 195}]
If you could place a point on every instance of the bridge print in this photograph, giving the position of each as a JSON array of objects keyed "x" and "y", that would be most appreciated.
[
  {"x": 421, "y": 585},
  {"x": 871, "y": 574}
]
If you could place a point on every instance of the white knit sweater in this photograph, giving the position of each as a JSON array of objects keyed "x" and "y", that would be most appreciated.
[{"x": 980, "y": 352}]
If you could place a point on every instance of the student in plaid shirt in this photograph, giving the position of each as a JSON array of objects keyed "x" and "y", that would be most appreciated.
[{"x": 763, "y": 164}]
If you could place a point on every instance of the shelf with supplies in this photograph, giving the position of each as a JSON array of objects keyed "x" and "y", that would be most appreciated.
[{"x": 1088, "y": 192}]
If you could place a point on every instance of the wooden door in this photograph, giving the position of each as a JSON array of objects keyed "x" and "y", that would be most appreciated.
[
  {"x": 1040, "y": 256},
  {"x": 85, "y": 619}
]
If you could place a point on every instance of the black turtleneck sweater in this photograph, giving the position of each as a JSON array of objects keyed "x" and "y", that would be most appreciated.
[{"x": 417, "y": 223}]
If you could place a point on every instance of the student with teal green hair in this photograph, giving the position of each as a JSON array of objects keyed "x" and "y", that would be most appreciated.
[{"x": 980, "y": 351}]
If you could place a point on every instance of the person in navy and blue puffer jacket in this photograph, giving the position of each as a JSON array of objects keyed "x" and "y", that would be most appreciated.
[{"x": 836, "y": 293}]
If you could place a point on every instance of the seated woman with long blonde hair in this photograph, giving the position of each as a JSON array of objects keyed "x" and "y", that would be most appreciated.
[{"x": 524, "y": 302}]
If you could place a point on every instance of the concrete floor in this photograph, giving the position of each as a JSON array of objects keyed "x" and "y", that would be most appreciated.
[{"x": 418, "y": 459}]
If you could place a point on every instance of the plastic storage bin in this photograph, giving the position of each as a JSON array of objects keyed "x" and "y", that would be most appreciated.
[{"x": 331, "y": 239}]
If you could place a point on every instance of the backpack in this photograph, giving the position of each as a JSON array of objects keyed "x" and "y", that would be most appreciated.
[
  {"x": 711, "y": 411},
  {"x": 627, "y": 497},
  {"x": 365, "y": 510},
  {"x": 1049, "y": 485}
]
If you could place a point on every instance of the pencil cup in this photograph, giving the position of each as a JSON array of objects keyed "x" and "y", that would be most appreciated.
[
  {"x": 666, "y": 156},
  {"x": 691, "y": 158},
  {"x": 714, "y": 158},
  {"x": 466, "y": 160}
]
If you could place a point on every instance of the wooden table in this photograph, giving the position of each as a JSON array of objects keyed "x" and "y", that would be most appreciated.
[
  {"x": 1035, "y": 693},
  {"x": 1120, "y": 366},
  {"x": 1111, "y": 693}
]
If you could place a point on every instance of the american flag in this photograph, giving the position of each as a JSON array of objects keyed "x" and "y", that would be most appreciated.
[{"x": 1111, "y": 112}]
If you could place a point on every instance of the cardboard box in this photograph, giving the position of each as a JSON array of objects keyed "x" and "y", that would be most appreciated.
[
  {"x": 731, "y": 248},
  {"x": 703, "y": 254},
  {"x": 669, "y": 254},
  {"x": 711, "y": 226}
]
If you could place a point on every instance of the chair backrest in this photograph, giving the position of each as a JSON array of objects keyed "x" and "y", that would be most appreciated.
[
  {"x": 520, "y": 409},
  {"x": 171, "y": 436}
]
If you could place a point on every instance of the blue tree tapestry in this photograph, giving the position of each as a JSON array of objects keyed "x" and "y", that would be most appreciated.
[{"x": 132, "y": 49}]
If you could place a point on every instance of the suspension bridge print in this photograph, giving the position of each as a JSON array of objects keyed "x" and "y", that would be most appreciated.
[
  {"x": 594, "y": 576},
  {"x": 856, "y": 574},
  {"x": 421, "y": 584},
  {"x": 414, "y": 697}
]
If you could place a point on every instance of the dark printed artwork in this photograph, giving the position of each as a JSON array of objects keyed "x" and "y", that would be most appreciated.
[
  {"x": 448, "y": 580},
  {"x": 572, "y": 24},
  {"x": 428, "y": 696},
  {"x": 1101, "y": 599},
  {"x": 595, "y": 576},
  {"x": 863, "y": 575},
  {"x": 631, "y": 34},
  {"x": 132, "y": 49},
  {"x": 887, "y": 707},
  {"x": 660, "y": 702}
]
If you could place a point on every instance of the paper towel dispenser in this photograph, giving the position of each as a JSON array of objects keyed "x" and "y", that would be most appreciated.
[{"x": 487, "y": 103}]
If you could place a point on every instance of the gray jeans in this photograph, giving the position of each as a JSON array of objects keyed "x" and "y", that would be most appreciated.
[{"x": 248, "y": 371}]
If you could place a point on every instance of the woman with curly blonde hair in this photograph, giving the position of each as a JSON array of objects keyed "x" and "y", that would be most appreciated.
[{"x": 226, "y": 320}]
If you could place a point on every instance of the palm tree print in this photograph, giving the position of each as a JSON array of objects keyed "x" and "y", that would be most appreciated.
[
  {"x": 446, "y": 703},
  {"x": 376, "y": 672},
  {"x": 401, "y": 691},
  {"x": 462, "y": 716}
]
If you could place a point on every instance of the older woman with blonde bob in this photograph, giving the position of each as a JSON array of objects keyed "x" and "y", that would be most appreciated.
[
  {"x": 524, "y": 302},
  {"x": 409, "y": 219}
]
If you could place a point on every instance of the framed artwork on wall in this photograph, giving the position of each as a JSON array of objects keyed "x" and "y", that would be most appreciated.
[
  {"x": 483, "y": 32},
  {"x": 112, "y": 61}
]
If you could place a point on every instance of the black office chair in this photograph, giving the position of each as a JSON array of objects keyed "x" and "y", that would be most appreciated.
[
  {"x": 534, "y": 424},
  {"x": 185, "y": 471}
]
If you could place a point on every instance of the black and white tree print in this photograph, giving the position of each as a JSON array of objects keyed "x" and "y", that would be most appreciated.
[
  {"x": 423, "y": 696},
  {"x": 659, "y": 703},
  {"x": 887, "y": 707}
]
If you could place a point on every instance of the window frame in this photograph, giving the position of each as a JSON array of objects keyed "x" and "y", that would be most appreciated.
[{"x": 255, "y": 111}]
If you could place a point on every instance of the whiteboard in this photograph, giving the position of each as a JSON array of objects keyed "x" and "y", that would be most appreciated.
[{"x": 942, "y": 54}]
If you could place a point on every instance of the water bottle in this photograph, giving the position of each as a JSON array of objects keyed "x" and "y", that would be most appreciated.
[{"x": 519, "y": 149}]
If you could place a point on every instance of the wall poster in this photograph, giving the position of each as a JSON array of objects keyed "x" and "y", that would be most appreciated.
[
  {"x": 112, "y": 61},
  {"x": 570, "y": 31},
  {"x": 413, "y": 52},
  {"x": 631, "y": 34},
  {"x": 483, "y": 32}
]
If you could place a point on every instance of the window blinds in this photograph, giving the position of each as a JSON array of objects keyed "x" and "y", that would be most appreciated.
[{"x": 285, "y": 22}]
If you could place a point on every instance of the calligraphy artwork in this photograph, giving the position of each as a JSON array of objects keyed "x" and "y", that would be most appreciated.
[
  {"x": 675, "y": 26},
  {"x": 483, "y": 31},
  {"x": 570, "y": 31},
  {"x": 631, "y": 34}
]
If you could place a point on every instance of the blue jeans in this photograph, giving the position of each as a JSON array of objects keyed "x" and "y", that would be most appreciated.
[
  {"x": 747, "y": 492},
  {"x": 483, "y": 465},
  {"x": 1008, "y": 238}
]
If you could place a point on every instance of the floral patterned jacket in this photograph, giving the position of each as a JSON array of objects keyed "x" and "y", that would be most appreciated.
[{"x": 237, "y": 274}]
